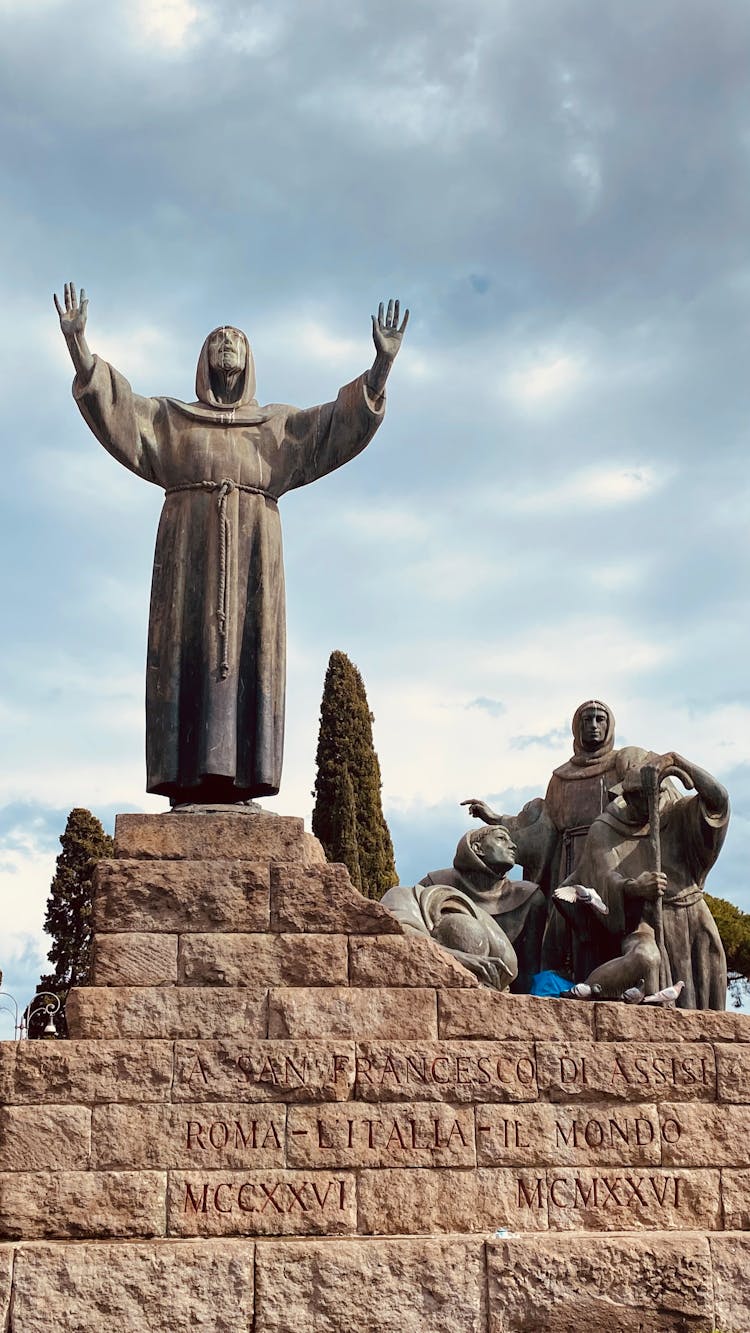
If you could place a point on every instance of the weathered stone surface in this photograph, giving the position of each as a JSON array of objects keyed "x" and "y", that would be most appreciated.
[
  {"x": 626, "y": 1071},
  {"x": 416, "y": 1285},
  {"x": 225, "y": 837},
  {"x": 446, "y": 1071},
  {"x": 262, "y": 1203},
  {"x": 501, "y": 1017},
  {"x": 627, "y": 1022},
  {"x": 733, "y": 1073},
  {"x": 423, "y": 1202},
  {"x": 735, "y": 1193},
  {"x": 165, "y": 1011},
  {"x": 551, "y": 1135},
  {"x": 604, "y": 1284},
  {"x": 730, "y": 1259},
  {"x": 77, "y": 1071},
  {"x": 40, "y": 1138},
  {"x": 211, "y": 1136},
  {"x": 161, "y": 1286},
  {"x": 134, "y": 959},
  {"x": 7, "y": 1253},
  {"x": 324, "y": 899},
  {"x": 375, "y": 1013},
  {"x": 626, "y": 1199},
  {"x": 357, "y": 1134},
  {"x": 708, "y": 1134},
  {"x": 408, "y": 960},
  {"x": 263, "y": 960},
  {"x": 72, "y": 1204},
  {"x": 263, "y": 1071},
  {"x": 180, "y": 896}
]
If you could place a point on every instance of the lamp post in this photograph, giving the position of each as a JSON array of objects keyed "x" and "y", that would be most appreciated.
[{"x": 44, "y": 1002}]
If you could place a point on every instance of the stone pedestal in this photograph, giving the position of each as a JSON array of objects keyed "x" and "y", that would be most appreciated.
[{"x": 277, "y": 1111}]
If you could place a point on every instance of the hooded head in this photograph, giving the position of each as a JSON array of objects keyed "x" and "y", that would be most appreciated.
[
  {"x": 226, "y": 371},
  {"x": 593, "y": 731}
]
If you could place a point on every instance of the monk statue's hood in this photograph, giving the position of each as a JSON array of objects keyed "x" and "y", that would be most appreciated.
[
  {"x": 203, "y": 390},
  {"x": 466, "y": 862},
  {"x": 589, "y": 763}
]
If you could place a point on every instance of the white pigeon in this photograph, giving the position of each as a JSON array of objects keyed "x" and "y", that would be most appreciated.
[
  {"x": 666, "y": 997},
  {"x": 635, "y": 994},
  {"x": 579, "y": 893}
]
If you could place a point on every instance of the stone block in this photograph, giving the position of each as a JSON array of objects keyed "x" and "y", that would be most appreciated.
[
  {"x": 165, "y": 1011},
  {"x": 79, "y": 1071},
  {"x": 7, "y": 1255},
  {"x": 735, "y": 1193},
  {"x": 235, "y": 836},
  {"x": 445, "y": 1071},
  {"x": 261, "y": 1203},
  {"x": 733, "y": 1073},
  {"x": 210, "y": 1136},
  {"x": 41, "y": 1138},
  {"x": 416, "y": 1285},
  {"x": 496, "y": 1016},
  {"x": 642, "y": 1199},
  {"x": 406, "y": 960},
  {"x": 161, "y": 1286},
  {"x": 550, "y": 1135},
  {"x": 378, "y": 1012},
  {"x": 263, "y": 1071},
  {"x": 601, "y": 1284},
  {"x": 263, "y": 960},
  {"x": 628, "y": 1022},
  {"x": 78, "y": 1204},
  {"x": 424, "y": 1202},
  {"x": 354, "y": 1134},
  {"x": 708, "y": 1134},
  {"x": 323, "y": 899},
  {"x": 178, "y": 896},
  {"x": 134, "y": 959},
  {"x": 626, "y": 1071},
  {"x": 730, "y": 1260}
]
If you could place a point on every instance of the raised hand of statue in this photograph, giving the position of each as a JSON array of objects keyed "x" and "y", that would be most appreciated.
[
  {"x": 480, "y": 810},
  {"x": 386, "y": 333},
  {"x": 73, "y": 317}
]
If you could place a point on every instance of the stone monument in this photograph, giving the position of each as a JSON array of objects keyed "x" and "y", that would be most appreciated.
[{"x": 279, "y": 1111}]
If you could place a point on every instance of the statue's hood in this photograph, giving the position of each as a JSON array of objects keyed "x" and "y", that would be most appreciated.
[
  {"x": 203, "y": 391},
  {"x": 588, "y": 763}
]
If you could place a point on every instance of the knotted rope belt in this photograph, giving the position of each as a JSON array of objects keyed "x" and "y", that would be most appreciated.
[{"x": 223, "y": 490}]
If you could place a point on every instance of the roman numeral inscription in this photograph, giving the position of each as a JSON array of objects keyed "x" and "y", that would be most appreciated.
[
  {"x": 260, "y": 1203},
  {"x": 625, "y": 1199}
]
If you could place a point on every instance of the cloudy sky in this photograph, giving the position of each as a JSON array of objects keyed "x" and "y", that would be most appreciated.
[{"x": 556, "y": 506}]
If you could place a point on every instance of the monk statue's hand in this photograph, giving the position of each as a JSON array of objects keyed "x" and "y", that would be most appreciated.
[
  {"x": 386, "y": 333},
  {"x": 648, "y": 886},
  {"x": 73, "y": 317},
  {"x": 480, "y": 810}
]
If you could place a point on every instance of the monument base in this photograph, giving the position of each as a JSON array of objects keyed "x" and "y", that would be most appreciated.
[{"x": 278, "y": 1111}]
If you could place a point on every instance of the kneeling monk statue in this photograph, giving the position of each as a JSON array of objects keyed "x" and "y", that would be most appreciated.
[{"x": 215, "y": 679}]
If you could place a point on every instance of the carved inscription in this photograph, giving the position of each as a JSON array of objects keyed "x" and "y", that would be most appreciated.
[
  {"x": 454, "y": 1071},
  {"x": 259, "y": 1071},
  {"x": 550, "y": 1134},
  {"x": 627, "y": 1071},
  {"x": 629, "y": 1199},
  {"x": 261, "y": 1203},
  {"x": 384, "y": 1135}
]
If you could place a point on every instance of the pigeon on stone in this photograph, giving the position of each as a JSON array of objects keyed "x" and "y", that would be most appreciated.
[
  {"x": 579, "y": 893},
  {"x": 666, "y": 997},
  {"x": 581, "y": 991},
  {"x": 635, "y": 994}
]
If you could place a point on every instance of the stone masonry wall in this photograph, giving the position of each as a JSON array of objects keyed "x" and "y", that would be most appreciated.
[{"x": 278, "y": 1111}]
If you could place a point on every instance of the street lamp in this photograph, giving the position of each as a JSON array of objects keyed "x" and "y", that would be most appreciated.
[{"x": 44, "y": 1002}]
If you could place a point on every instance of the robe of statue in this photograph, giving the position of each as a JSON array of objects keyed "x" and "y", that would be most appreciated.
[
  {"x": 617, "y": 850},
  {"x": 216, "y": 663}
]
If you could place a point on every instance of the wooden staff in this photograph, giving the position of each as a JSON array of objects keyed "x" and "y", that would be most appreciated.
[{"x": 651, "y": 781}]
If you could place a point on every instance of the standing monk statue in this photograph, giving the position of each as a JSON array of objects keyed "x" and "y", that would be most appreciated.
[{"x": 216, "y": 664}]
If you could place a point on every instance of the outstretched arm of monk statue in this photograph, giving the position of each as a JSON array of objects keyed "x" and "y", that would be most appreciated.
[
  {"x": 713, "y": 795},
  {"x": 386, "y": 336},
  {"x": 73, "y": 325},
  {"x": 480, "y": 810}
]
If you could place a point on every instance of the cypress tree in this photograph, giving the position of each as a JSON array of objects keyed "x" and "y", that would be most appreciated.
[
  {"x": 68, "y": 916},
  {"x": 733, "y": 926},
  {"x": 348, "y": 815}
]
